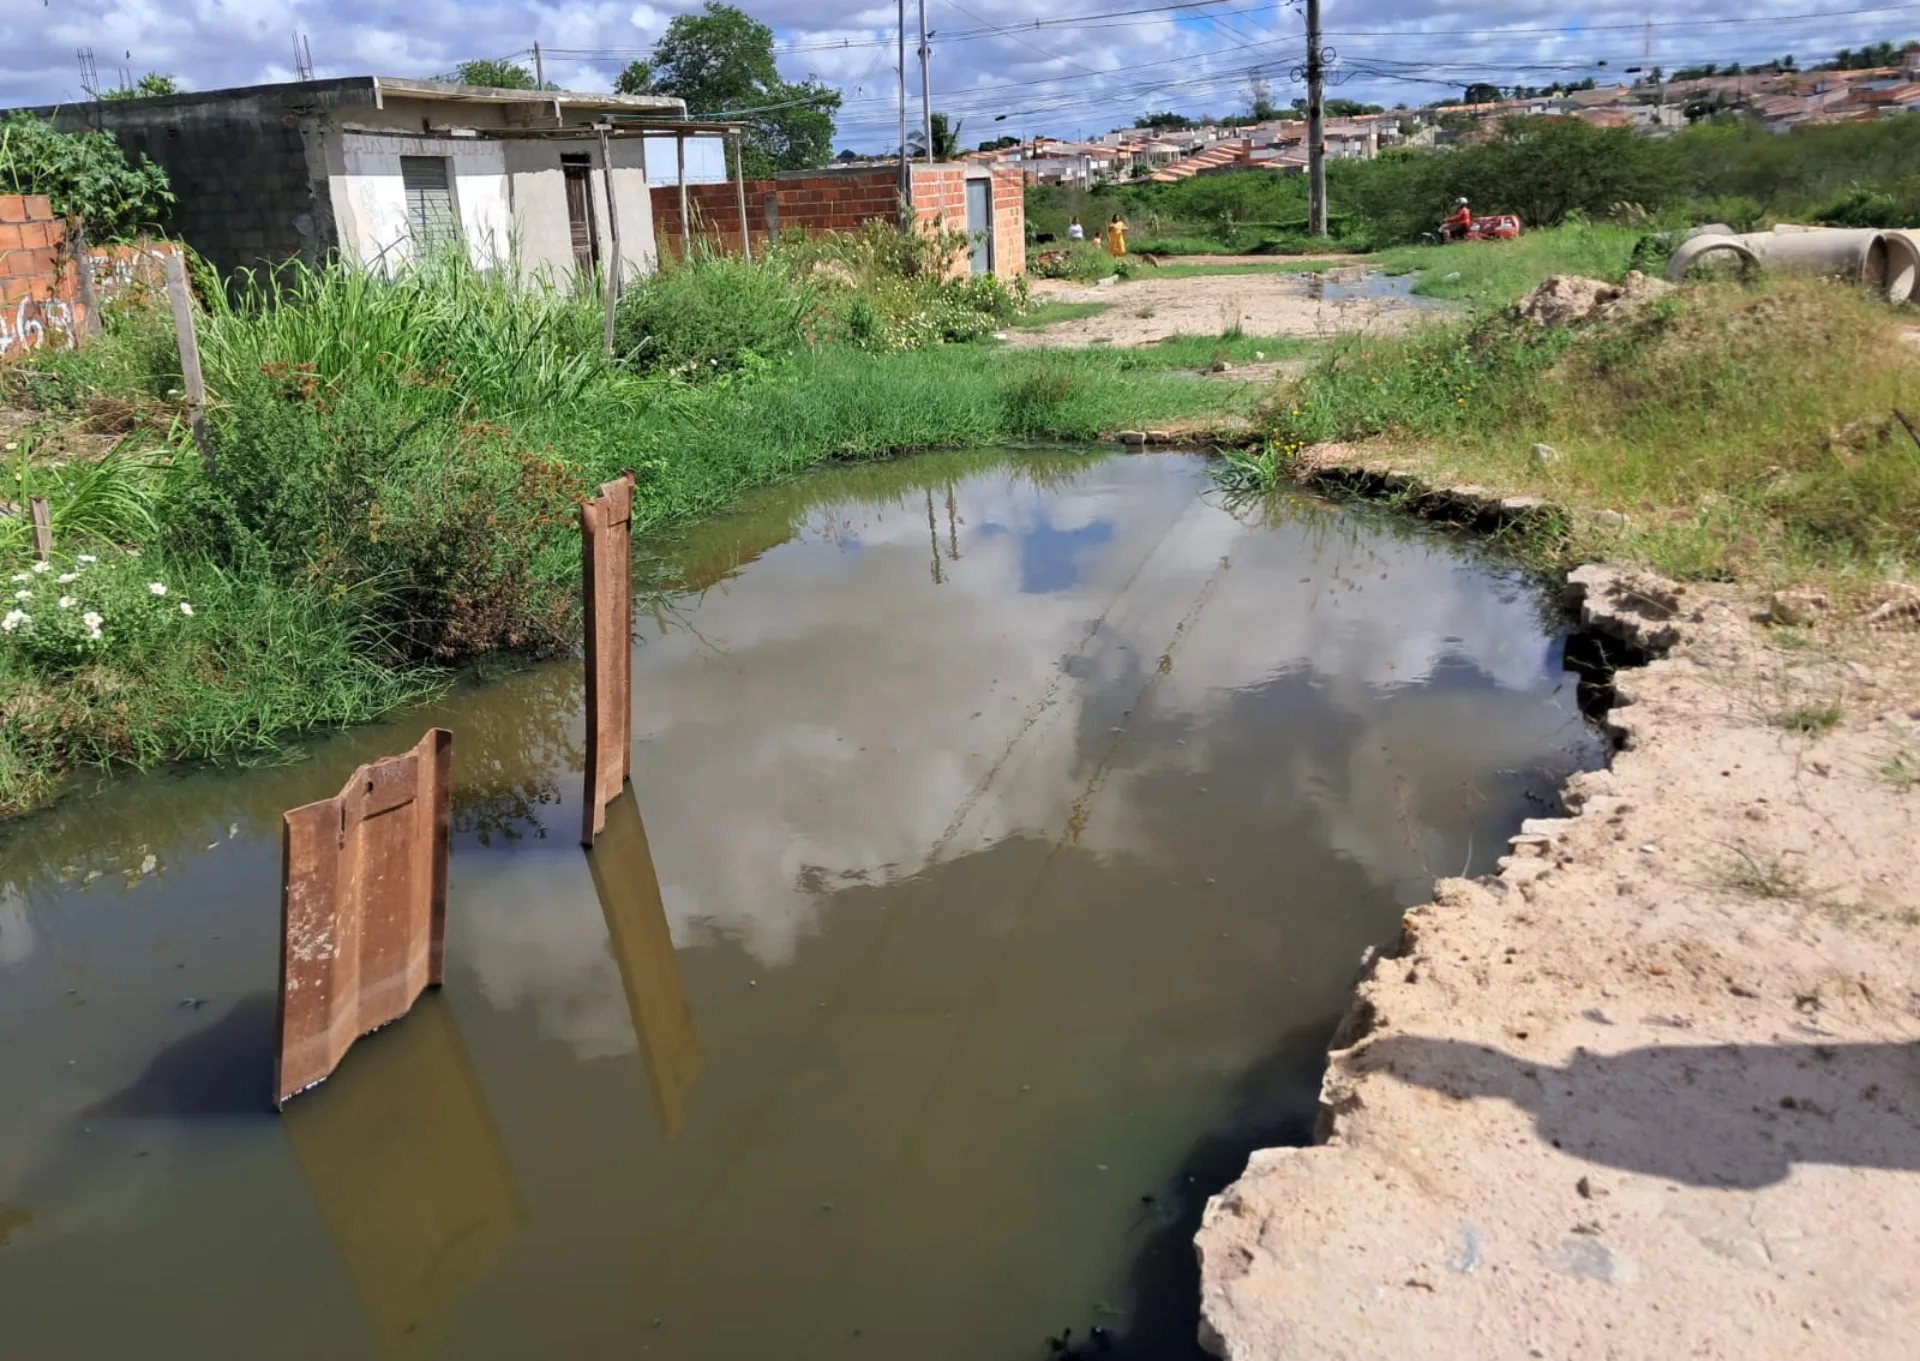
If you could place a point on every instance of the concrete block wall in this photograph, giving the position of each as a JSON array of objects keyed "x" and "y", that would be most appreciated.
[
  {"x": 245, "y": 190},
  {"x": 39, "y": 286}
]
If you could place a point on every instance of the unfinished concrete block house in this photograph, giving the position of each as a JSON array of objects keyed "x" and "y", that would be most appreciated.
[{"x": 373, "y": 168}]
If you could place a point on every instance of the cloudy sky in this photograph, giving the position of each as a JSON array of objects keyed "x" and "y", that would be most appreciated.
[{"x": 1073, "y": 66}]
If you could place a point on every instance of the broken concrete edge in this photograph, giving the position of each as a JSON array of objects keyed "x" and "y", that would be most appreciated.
[
  {"x": 1635, "y": 608},
  {"x": 1215, "y": 436}
]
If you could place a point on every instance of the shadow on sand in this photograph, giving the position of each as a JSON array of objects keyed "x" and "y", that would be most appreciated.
[{"x": 1732, "y": 1115}]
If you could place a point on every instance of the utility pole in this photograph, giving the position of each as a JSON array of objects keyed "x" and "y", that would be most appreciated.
[
  {"x": 926, "y": 89},
  {"x": 539, "y": 69},
  {"x": 906, "y": 173},
  {"x": 1316, "y": 126}
]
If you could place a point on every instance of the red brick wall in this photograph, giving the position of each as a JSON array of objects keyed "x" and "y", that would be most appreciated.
[
  {"x": 842, "y": 201},
  {"x": 1009, "y": 223},
  {"x": 831, "y": 202},
  {"x": 38, "y": 285}
]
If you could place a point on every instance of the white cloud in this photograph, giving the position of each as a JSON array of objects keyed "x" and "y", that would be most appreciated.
[{"x": 1081, "y": 75}]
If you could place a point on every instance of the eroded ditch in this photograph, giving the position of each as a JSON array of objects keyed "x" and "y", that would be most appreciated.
[{"x": 1016, "y": 823}]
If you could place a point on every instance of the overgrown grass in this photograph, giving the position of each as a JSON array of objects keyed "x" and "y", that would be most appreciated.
[
  {"x": 1048, "y": 313},
  {"x": 1494, "y": 273},
  {"x": 397, "y": 467},
  {"x": 1742, "y": 432},
  {"x": 1199, "y": 352}
]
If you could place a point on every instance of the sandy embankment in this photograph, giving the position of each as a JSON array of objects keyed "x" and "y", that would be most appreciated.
[{"x": 1654, "y": 1090}]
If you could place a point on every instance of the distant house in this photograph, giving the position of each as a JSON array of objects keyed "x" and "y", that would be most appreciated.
[{"x": 372, "y": 168}]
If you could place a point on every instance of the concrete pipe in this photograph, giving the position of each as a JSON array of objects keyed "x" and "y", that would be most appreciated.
[
  {"x": 1886, "y": 262},
  {"x": 1903, "y": 262}
]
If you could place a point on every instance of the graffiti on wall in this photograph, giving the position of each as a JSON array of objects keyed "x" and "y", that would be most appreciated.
[{"x": 35, "y": 322}]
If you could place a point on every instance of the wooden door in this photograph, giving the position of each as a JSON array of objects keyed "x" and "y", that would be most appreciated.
[{"x": 578, "y": 172}]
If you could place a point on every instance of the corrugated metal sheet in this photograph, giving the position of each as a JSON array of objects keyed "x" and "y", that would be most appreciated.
[{"x": 363, "y": 908}]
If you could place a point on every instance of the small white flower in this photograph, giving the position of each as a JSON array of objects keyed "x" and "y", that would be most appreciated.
[
  {"x": 19, "y": 577},
  {"x": 41, "y": 568},
  {"x": 14, "y": 620},
  {"x": 66, "y": 602},
  {"x": 93, "y": 635},
  {"x": 86, "y": 558},
  {"x": 12, "y": 445},
  {"x": 92, "y": 620},
  {"x": 23, "y": 595},
  {"x": 156, "y": 588},
  {"x": 186, "y": 609},
  {"x": 66, "y": 577}
]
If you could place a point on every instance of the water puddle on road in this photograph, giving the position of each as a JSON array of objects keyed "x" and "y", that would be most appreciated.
[
  {"x": 1368, "y": 285},
  {"x": 1005, "y": 832}
]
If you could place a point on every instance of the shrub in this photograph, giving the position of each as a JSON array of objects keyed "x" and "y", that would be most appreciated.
[
  {"x": 715, "y": 315},
  {"x": 86, "y": 175},
  {"x": 445, "y": 531}
]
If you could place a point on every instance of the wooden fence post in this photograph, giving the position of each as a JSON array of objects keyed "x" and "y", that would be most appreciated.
[
  {"x": 89, "y": 297},
  {"x": 613, "y": 230},
  {"x": 181, "y": 301},
  {"x": 740, "y": 192},
  {"x": 42, "y": 527}
]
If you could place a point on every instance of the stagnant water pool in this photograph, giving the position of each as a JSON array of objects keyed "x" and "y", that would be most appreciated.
[{"x": 1005, "y": 832}]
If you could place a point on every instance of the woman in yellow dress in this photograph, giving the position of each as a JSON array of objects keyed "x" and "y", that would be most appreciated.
[{"x": 1116, "y": 236}]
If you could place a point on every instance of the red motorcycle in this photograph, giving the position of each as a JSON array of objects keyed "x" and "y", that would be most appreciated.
[{"x": 1499, "y": 227}]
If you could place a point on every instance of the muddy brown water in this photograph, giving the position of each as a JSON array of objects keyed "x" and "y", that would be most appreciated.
[{"x": 1012, "y": 826}]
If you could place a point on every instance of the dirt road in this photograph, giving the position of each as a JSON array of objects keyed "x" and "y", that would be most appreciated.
[{"x": 1147, "y": 310}]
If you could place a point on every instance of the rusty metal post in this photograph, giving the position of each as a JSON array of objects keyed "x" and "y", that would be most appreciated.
[
  {"x": 42, "y": 527},
  {"x": 606, "y": 582},
  {"x": 181, "y": 302},
  {"x": 363, "y": 908},
  {"x": 623, "y": 876}
]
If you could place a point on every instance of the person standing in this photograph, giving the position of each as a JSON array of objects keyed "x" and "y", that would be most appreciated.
[
  {"x": 1076, "y": 232},
  {"x": 1116, "y": 236}
]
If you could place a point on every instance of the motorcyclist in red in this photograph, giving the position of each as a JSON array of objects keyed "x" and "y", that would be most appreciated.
[{"x": 1455, "y": 227}]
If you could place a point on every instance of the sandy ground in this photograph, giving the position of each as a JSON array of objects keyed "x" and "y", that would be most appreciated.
[
  {"x": 1146, "y": 310},
  {"x": 1654, "y": 1090}
]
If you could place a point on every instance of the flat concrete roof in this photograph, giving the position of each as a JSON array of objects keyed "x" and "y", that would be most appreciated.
[{"x": 376, "y": 91}]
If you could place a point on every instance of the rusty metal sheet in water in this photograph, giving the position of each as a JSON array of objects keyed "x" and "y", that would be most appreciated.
[
  {"x": 623, "y": 876},
  {"x": 408, "y": 1171},
  {"x": 606, "y": 562},
  {"x": 363, "y": 908}
]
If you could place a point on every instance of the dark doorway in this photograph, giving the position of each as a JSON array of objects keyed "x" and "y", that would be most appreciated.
[{"x": 578, "y": 170}]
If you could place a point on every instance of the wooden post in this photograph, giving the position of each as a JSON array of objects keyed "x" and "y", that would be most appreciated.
[
  {"x": 89, "y": 297},
  {"x": 613, "y": 230},
  {"x": 181, "y": 302},
  {"x": 686, "y": 224},
  {"x": 42, "y": 527},
  {"x": 740, "y": 191}
]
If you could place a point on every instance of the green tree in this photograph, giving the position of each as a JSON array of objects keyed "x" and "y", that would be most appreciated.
[
  {"x": 495, "y": 75},
  {"x": 946, "y": 138},
  {"x": 152, "y": 84},
  {"x": 1164, "y": 122},
  {"x": 1349, "y": 108},
  {"x": 86, "y": 175},
  {"x": 1481, "y": 93},
  {"x": 721, "y": 62},
  {"x": 997, "y": 144}
]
